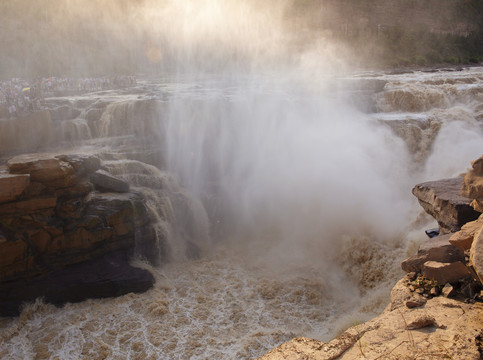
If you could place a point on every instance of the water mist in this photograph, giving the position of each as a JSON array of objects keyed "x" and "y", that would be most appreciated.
[{"x": 306, "y": 198}]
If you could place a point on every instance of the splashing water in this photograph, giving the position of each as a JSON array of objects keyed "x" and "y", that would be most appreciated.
[
  {"x": 310, "y": 211},
  {"x": 308, "y": 198}
]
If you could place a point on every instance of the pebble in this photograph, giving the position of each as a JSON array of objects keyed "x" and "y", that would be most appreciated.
[
  {"x": 415, "y": 302},
  {"x": 448, "y": 290}
]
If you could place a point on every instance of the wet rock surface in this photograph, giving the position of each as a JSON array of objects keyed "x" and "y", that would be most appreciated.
[
  {"x": 106, "y": 276},
  {"x": 11, "y": 186},
  {"x": 54, "y": 226},
  {"x": 105, "y": 182}
]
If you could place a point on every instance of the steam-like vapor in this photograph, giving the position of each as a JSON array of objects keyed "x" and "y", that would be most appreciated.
[
  {"x": 67, "y": 37},
  {"x": 308, "y": 198}
]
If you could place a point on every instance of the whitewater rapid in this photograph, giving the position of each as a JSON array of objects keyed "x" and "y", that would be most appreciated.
[{"x": 310, "y": 213}]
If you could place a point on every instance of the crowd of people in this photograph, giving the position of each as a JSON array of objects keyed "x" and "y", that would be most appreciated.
[{"x": 21, "y": 97}]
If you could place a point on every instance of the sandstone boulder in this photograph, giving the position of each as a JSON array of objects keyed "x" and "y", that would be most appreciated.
[
  {"x": 51, "y": 226},
  {"x": 476, "y": 254},
  {"x": 477, "y": 204},
  {"x": 464, "y": 238},
  {"x": 443, "y": 201},
  {"x": 435, "y": 249},
  {"x": 82, "y": 164},
  {"x": 11, "y": 186},
  {"x": 473, "y": 184},
  {"x": 444, "y": 273},
  {"x": 43, "y": 168}
]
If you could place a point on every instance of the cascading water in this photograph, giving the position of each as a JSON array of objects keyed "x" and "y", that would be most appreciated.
[
  {"x": 310, "y": 210},
  {"x": 307, "y": 198},
  {"x": 178, "y": 218}
]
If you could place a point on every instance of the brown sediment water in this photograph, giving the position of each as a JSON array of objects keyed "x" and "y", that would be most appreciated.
[{"x": 298, "y": 203}]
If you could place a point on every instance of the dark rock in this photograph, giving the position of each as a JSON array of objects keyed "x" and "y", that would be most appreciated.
[
  {"x": 11, "y": 186},
  {"x": 443, "y": 201},
  {"x": 470, "y": 290},
  {"x": 107, "y": 276},
  {"x": 412, "y": 275},
  {"x": 46, "y": 234},
  {"x": 435, "y": 291},
  {"x": 448, "y": 291},
  {"x": 105, "y": 182},
  {"x": 432, "y": 232},
  {"x": 28, "y": 206}
]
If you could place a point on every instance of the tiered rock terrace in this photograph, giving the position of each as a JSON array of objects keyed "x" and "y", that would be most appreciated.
[{"x": 68, "y": 230}]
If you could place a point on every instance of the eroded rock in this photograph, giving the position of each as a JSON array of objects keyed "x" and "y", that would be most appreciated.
[
  {"x": 444, "y": 273},
  {"x": 476, "y": 254},
  {"x": 473, "y": 181},
  {"x": 58, "y": 221},
  {"x": 464, "y": 238},
  {"x": 442, "y": 200},
  {"x": 43, "y": 168},
  {"x": 11, "y": 186},
  {"x": 106, "y": 276},
  {"x": 435, "y": 249}
]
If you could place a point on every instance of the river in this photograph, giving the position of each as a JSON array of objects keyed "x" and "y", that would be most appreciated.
[{"x": 302, "y": 193}]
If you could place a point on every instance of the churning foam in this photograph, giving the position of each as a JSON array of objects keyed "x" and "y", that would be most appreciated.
[
  {"x": 308, "y": 199},
  {"x": 310, "y": 210}
]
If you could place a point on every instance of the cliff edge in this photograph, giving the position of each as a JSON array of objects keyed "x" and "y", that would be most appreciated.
[{"x": 436, "y": 310}]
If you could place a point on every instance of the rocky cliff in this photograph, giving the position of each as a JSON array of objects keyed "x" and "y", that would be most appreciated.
[
  {"x": 436, "y": 310},
  {"x": 68, "y": 230}
]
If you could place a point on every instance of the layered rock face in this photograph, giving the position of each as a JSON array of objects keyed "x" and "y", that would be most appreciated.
[
  {"x": 59, "y": 213},
  {"x": 442, "y": 200}
]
